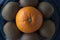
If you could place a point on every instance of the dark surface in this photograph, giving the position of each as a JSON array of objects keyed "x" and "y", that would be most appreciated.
[{"x": 55, "y": 17}]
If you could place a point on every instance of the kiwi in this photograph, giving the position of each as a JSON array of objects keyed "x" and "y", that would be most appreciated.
[
  {"x": 11, "y": 31},
  {"x": 29, "y": 2},
  {"x": 9, "y": 11},
  {"x": 31, "y": 36},
  {"x": 48, "y": 29},
  {"x": 46, "y": 8}
]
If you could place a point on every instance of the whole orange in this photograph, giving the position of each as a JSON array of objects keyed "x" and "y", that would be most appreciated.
[{"x": 29, "y": 19}]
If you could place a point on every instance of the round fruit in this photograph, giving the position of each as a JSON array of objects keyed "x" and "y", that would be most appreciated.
[
  {"x": 10, "y": 10},
  {"x": 48, "y": 29},
  {"x": 11, "y": 31},
  {"x": 32, "y": 36},
  {"x": 29, "y": 19},
  {"x": 47, "y": 39},
  {"x": 46, "y": 8},
  {"x": 29, "y": 2}
]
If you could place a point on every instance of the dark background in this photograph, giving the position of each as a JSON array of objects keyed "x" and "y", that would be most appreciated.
[{"x": 55, "y": 17}]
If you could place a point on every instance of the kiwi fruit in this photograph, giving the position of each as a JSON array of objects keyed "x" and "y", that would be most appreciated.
[
  {"x": 28, "y": 2},
  {"x": 48, "y": 29},
  {"x": 11, "y": 31},
  {"x": 9, "y": 11},
  {"x": 46, "y": 8},
  {"x": 31, "y": 36}
]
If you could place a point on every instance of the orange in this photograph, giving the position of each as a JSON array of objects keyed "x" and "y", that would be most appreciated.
[{"x": 29, "y": 19}]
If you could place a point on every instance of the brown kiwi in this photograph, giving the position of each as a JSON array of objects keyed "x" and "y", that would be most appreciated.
[
  {"x": 46, "y": 8},
  {"x": 31, "y": 36},
  {"x": 48, "y": 29},
  {"x": 11, "y": 31},
  {"x": 9, "y": 11},
  {"x": 29, "y": 2}
]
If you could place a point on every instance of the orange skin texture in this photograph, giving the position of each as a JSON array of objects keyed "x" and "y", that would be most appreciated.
[{"x": 23, "y": 16}]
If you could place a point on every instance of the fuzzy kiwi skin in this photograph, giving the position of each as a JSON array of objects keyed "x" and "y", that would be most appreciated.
[
  {"x": 9, "y": 11},
  {"x": 28, "y": 2},
  {"x": 11, "y": 31},
  {"x": 31, "y": 36},
  {"x": 46, "y": 8},
  {"x": 48, "y": 29}
]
